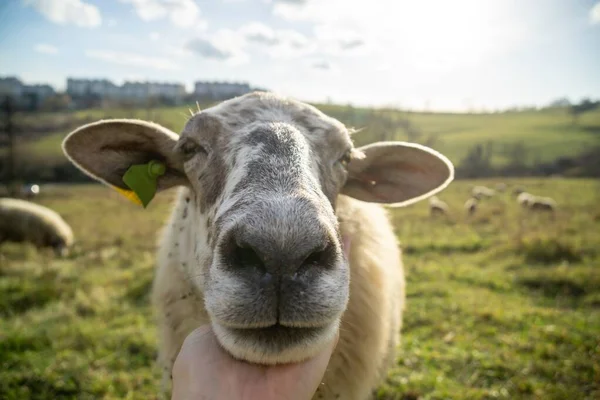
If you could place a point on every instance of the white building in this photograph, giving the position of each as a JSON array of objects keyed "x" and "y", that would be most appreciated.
[
  {"x": 220, "y": 90},
  {"x": 39, "y": 91},
  {"x": 22, "y": 93},
  {"x": 139, "y": 90},
  {"x": 129, "y": 90},
  {"x": 11, "y": 86},
  {"x": 86, "y": 87}
]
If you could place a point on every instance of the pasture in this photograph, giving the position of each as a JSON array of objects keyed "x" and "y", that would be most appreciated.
[{"x": 503, "y": 305}]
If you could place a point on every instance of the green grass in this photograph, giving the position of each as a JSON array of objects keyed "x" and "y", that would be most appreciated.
[
  {"x": 504, "y": 305},
  {"x": 547, "y": 134}
]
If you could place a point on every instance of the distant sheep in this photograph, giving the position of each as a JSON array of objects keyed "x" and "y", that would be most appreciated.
[
  {"x": 23, "y": 221},
  {"x": 518, "y": 190},
  {"x": 542, "y": 204},
  {"x": 501, "y": 187},
  {"x": 437, "y": 206},
  {"x": 480, "y": 192},
  {"x": 524, "y": 199},
  {"x": 471, "y": 205}
]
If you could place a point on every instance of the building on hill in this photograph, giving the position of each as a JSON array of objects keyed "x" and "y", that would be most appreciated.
[
  {"x": 11, "y": 86},
  {"x": 143, "y": 90},
  {"x": 94, "y": 87},
  {"x": 132, "y": 91},
  {"x": 23, "y": 95},
  {"x": 39, "y": 91},
  {"x": 220, "y": 90}
]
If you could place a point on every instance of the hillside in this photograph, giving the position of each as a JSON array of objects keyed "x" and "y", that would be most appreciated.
[{"x": 543, "y": 136}]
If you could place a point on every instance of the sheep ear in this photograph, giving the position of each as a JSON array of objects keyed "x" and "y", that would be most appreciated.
[
  {"x": 105, "y": 150},
  {"x": 397, "y": 173}
]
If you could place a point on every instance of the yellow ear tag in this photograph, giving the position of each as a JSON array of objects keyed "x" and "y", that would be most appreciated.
[{"x": 141, "y": 179}]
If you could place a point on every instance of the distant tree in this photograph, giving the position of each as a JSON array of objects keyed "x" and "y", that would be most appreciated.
[
  {"x": 586, "y": 105},
  {"x": 477, "y": 162},
  {"x": 517, "y": 154},
  {"x": 58, "y": 102},
  {"x": 560, "y": 103}
]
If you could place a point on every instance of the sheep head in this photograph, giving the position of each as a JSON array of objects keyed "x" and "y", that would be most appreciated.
[{"x": 264, "y": 173}]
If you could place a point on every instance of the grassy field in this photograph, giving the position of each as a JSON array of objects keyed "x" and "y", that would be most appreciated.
[
  {"x": 505, "y": 305},
  {"x": 546, "y": 134}
]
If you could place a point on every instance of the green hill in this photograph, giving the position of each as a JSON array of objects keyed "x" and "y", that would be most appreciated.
[{"x": 542, "y": 135}]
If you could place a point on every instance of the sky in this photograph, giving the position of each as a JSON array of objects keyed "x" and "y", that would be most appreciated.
[{"x": 456, "y": 55}]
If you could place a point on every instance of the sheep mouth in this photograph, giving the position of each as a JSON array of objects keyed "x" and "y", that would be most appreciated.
[
  {"x": 275, "y": 344},
  {"x": 278, "y": 333}
]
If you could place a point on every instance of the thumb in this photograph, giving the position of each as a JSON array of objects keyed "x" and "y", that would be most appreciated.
[{"x": 305, "y": 376}]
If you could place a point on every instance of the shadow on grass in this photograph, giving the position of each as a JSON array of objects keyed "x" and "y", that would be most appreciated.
[
  {"x": 446, "y": 248},
  {"x": 21, "y": 296}
]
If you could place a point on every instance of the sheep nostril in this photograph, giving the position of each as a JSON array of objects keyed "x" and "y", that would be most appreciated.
[
  {"x": 323, "y": 257},
  {"x": 245, "y": 257}
]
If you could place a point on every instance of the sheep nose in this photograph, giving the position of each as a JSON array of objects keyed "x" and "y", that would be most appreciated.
[{"x": 270, "y": 257}]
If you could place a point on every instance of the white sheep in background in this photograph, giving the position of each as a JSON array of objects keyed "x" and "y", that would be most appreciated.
[
  {"x": 267, "y": 187},
  {"x": 542, "y": 204},
  {"x": 437, "y": 206},
  {"x": 518, "y": 190},
  {"x": 501, "y": 187},
  {"x": 471, "y": 205},
  {"x": 23, "y": 221},
  {"x": 524, "y": 199},
  {"x": 480, "y": 192}
]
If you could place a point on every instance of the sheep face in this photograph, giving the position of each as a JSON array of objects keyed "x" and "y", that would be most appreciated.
[{"x": 264, "y": 174}]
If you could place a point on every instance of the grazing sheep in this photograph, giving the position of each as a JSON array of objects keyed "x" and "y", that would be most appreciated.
[
  {"x": 501, "y": 187},
  {"x": 518, "y": 190},
  {"x": 23, "y": 221},
  {"x": 524, "y": 199},
  {"x": 542, "y": 204},
  {"x": 480, "y": 192},
  {"x": 254, "y": 244},
  {"x": 471, "y": 205},
  {"x": 437, "y": 206}
]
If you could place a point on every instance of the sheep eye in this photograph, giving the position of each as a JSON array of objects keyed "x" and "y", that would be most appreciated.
[
  {"x": 189, "y": 149},
  {"x": 345, "y": 160}
]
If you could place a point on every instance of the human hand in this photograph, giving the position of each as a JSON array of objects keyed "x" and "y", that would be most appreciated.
[{"x": 203, "y": 370}]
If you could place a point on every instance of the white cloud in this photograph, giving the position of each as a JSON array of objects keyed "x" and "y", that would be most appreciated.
[
  {"x": 437, "y": 34},
  {"x": 46, "y": 49},
  {"x": 595, "y": 14},
  {"x": 224, "y": 45},
  {"x": 68, "y": 12},
  {"x": 204, "y": 48},
  {"x": 182, "y": 13},
  {"x": 131, "y": 59},
  {"x": 259, "y": 33},
  {"x": 111, "y": 22},
  {"x": 280, "y": 43},
  {"x": 154, "y": 36}
]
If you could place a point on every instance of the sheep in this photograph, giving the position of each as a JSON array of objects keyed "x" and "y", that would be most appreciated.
[
  {"x": 518, "y": 190},
  {"x": 501, "y": 187},
  {"x": 23, "y": 221},
  {"x": 471, "y": 205},
  {"x": 480, "y": 192},
  {"x": 437, "y": 206},
  {"x": 270, "y": 189},
  {"x": 542, "y": 204},
  {"x": 524, "y": 199}
]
